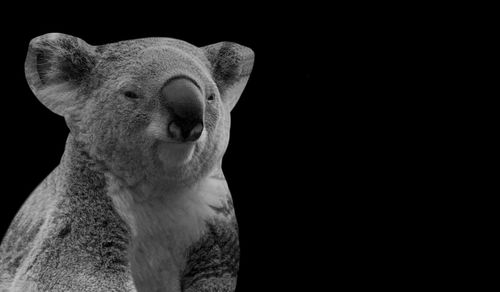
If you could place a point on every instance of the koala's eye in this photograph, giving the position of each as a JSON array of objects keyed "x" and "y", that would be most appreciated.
[
  {"x": 131, "y": 95},
  {"x": 211, "y": 97}
]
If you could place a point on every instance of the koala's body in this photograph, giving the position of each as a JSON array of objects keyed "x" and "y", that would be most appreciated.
[{"x": 139, "y": 201}]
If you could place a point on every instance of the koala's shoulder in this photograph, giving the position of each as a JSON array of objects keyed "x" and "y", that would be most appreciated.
[{"x": 27, "y": 229}]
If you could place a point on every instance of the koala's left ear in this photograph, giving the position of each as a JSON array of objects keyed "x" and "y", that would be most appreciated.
[
  {"x": 231, "y": 67},
  {"x": 57, "y": 67}
]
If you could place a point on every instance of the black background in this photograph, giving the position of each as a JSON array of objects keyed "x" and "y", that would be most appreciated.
[
  {"x": 337, "y": 161},
  {"x": 282, "y": 133},
  {"x": 347, "y": 158}
]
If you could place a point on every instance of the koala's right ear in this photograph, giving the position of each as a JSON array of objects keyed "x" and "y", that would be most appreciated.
[
  {"x": 57, "y": 67},
  {"x": 231, "y": 67}
]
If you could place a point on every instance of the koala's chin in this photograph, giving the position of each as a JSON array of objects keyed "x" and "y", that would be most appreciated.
[{"x": 183, "y": 163}]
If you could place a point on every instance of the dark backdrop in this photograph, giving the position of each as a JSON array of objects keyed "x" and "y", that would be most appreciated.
[{"x": 330, "y": 162}]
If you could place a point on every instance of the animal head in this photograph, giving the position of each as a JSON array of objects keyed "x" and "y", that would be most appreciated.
[{"x": 154, "y": 109}]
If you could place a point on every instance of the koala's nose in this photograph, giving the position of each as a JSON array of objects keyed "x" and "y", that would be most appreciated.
[
  {"x": 185, "y": 131},
  {"x": 185, "y": 104}
]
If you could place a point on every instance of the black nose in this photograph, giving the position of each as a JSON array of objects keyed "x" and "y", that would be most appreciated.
[
  {"x": 186, "y": 107},
  {"x": 185, "y": 130}
]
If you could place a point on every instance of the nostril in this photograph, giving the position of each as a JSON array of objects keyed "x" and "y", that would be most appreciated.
[
  {"x": 174, "y": 130},
  {"x": 196, "y": 132},
  {"x": 185, "y": 132}
]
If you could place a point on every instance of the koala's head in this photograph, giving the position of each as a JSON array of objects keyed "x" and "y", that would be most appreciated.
[{"x": 146, "y": 109}]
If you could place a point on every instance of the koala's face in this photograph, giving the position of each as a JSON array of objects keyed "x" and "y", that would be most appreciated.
[{"x": 150, "y": 109}]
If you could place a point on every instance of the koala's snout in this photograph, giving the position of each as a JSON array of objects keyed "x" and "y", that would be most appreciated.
[
  {"x": 185, "y": 131},
  {"x": 186, "y": 107}
]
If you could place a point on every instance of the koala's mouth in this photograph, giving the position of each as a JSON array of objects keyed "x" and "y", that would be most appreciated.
[
  {"x": 180, "y": 143},
  {"x": 176, "y": 153}
]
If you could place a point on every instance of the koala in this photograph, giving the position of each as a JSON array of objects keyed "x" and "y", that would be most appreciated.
[{"x": 138, "y": 201}]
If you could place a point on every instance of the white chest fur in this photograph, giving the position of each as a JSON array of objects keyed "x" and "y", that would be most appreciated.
[{"x": 164, "y": 227}]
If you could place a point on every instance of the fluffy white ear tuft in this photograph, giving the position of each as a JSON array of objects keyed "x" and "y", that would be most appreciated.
[
  {"x": 57, "y": 67},
  {"x": 231, "y": 67}
]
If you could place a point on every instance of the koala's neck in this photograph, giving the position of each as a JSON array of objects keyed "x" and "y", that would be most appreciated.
[
  {"x": 163, "y": 229},
  {"x": 166, "y": 224}
]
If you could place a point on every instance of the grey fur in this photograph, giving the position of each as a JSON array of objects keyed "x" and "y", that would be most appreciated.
[{"x": 120, "y": 213}]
